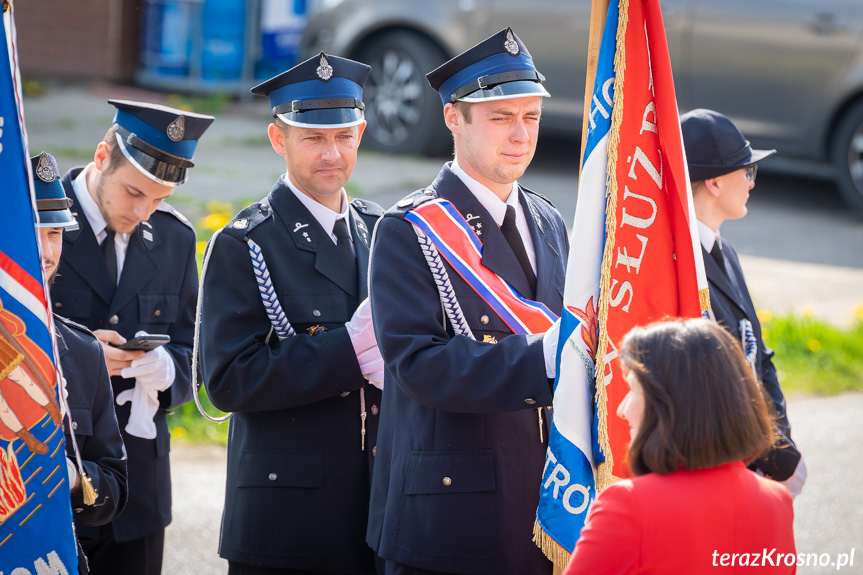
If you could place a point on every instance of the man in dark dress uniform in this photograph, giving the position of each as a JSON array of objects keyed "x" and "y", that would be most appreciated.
[
  {"x": 130, "y": 268},
  {"x": 85, "y": 375},
  {"x": 722, "y": 168},
  {"x": 285, "y": 346},
  {"x": 463, "y": 435}
]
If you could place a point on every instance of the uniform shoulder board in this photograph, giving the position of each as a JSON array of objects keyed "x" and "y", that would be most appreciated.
[
  {"x": 412, "y": 200},
  {"x": 368, "y": 208},
  {"x": 540, "y": 196},
  {"x": 73, "y": 325},
  {"x": 167, "y": 208},
  {"x": 249, "y": 218}
]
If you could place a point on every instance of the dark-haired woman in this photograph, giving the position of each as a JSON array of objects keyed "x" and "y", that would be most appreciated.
[{"x": 696, "y": 415}]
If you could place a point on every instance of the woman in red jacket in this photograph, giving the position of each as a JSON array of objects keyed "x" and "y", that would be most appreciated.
[{"x": 696, "y": 415}]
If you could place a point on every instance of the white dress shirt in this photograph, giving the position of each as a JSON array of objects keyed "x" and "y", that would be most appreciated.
[
  {"x": 324, "y": 215},
  {"x": 497, "y": 208},
  {"x": 97, "y": 221},
  {"x": 708, "y": 236}
]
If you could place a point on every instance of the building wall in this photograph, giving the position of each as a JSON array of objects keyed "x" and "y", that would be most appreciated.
[{"x": 78, "y": 39}]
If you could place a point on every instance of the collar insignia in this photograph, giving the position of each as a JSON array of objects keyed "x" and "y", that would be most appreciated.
[
  {"x": 510, "y": 45},
  {"x": 325, "y": 71},
  {"x": 44, "y": 170},
  {"x": 240, "y": 224},
  {"x": 177, "y": 129},
  {"x": 316, "y": 330}
]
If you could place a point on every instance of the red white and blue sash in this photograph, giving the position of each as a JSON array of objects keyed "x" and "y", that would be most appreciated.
[{"x": 456, "y": 241}]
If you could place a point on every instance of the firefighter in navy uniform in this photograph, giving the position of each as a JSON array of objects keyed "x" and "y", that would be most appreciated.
[
  {"x": 85, "y": 375},
  {"x": 463, "y": 436},
  {"x": 293, "y": 366},
  {"x": 130, "y": 268}
]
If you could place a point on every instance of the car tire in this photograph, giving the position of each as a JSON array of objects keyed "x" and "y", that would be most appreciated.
[
  {"x": 848, "y": 156},
  {"x": 403, "y": 112}
]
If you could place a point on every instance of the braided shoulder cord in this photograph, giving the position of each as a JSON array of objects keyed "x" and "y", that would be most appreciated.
[
  {"x": 268, "y": 294},
  {"x": 749, "y": 343},
  {"x": 444, "y": 287}
]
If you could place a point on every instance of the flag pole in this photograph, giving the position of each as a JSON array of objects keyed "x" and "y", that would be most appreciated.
[{"x": 598, "y": 12}]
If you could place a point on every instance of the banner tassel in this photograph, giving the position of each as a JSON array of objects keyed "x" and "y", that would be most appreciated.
[
  {"x": 551, "y": 548},
  {"x": 90, "y": 494}
]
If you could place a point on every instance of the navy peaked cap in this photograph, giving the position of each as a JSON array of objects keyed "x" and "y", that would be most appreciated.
[
  {"x": 158, "y": 140},
  {"x": 51, "y": 200},
  {"x": 324, "y": 92},
  {"x": 714, "y": 146},
  {"x": 498, "y": 68}
]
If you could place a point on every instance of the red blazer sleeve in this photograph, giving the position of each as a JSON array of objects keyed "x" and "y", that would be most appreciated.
[{"x": 610, "y": 540}]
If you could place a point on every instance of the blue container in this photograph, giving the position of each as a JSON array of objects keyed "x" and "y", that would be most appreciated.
[
  {"x": 166, "y": 39},
  {"x": 224, "y": 33},
  {"x": 282, "y": 25}
]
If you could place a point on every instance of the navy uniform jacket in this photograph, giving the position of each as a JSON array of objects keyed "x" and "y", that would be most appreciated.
[
  {"x": 96, "y": 431},
  {"x": 459, "y": 456},
  {"x": 157, "y": 293},
  {"x": 729, "y": 308},
  {"x": 298, "y": 480}
]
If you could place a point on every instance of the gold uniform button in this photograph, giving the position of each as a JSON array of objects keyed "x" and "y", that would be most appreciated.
[
  {"x": 374, "y": 450},
  {"x": 375, "y": 410},
  {"x": 447, "y": 481},
  {"x": 157, "y": 313},
  {"x": 530, "y": 401},
  {"x": 273, "y": 477},
  {"x": 484, "y": 320},
  {"x": 58, "y": 305},
  {"x": 114, "y": 320}
]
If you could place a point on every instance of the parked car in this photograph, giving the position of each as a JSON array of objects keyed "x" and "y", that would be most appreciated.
[{"x": 789, "y": 73}]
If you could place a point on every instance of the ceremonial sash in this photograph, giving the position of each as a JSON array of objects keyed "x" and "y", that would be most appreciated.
[{"x": 462, "y": 249}]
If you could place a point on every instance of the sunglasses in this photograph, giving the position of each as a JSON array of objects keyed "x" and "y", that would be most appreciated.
[{"x": 750, "y": 173}]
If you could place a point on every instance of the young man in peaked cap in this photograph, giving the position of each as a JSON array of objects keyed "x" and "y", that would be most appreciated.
[
  {"x": 131, "y": 267},
  {"x": 85, "y": 375},
  {"x": 463, "y": 435},
  {"x": 294, "y": 365},
  {"x": 722, "y": 168}
]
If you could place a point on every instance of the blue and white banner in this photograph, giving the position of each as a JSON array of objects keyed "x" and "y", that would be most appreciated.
[
  {"x": 568, "y": 484},
  {"x": 36, "y": 534}
]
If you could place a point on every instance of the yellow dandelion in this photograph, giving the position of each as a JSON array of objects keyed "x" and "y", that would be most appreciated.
[
  {"x": 180, "y": 432},
  {"x": 216, "y": 221},
  {"x": 765, "y": 333},
  {"x": 764, "y": 315},
  {"x": 813, "y": 345},
  {"x": 858, "y": 311},
  {"x": 200, "y": 247},
  {"x": 808, "y": 311}
]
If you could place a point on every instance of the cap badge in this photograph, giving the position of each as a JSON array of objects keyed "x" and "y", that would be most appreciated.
[
  {"x": 325, "y": 71},
  {"x": 177, "y": 129},
  {"x": 510, "y": 45},
  {"x": 44, "y": 170}
]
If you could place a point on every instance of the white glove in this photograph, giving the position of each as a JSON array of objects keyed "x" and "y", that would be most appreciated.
[
  {"x": 372, "y": 366},
  {"x": 145, "y": 404},
  {"x": 72, "y": 471},
  {"x": 549, "y": 349},
  {"x": 376, "y": 379},
  {"x": 156, "y": 370},
  {"x": 361, "y": 329},
  {"x": 794, "y": 484}
]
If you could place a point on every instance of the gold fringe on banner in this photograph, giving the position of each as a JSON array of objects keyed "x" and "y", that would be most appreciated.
[
  {"x": 704, "y": 299},
  {"x": 558, "y": 555},
  {"x": 604, "y": 477}
]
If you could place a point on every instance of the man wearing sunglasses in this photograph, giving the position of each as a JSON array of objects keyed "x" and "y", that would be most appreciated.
[{"x": 722, "y": 168}]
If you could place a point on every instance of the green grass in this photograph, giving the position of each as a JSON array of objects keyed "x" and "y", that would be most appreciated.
[
  {"x": 815, "y": 357},
  {"x": 189, "y": 426}
]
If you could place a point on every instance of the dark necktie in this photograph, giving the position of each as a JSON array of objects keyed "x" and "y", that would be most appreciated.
[
  {"x": 109, "y": 251},
  {"x": 510, "y": 232},
  {"x": 343, "y": 242},
  {"x": 719, "y": 258}
]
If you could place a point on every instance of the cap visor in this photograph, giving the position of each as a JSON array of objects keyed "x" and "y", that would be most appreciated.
[
  {"x": 325, "y": 118},
  {"x": 157, "y": 170},
  {"x": 507, "y": 91},
  {"x": 56, "y": 219},
  {"x": 758, "y": 155}
]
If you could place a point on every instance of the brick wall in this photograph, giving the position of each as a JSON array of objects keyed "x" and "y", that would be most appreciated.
[{"x": 81, "y": 39}]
